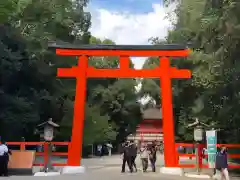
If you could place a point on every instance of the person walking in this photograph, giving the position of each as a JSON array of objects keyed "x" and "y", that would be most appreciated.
[
  {"x": 153, "y": 156},
  {"x": 133, "y": 154},
  {"x": 222, "y": 163},
  {"x": 126, "y": 157},
  {"x": 99, "y": 150},
  {"x": 180, "y": 149},
  {"x": 4, "y": 158},
  {"x": 109, "y": 148},
  {"x": 161, "y": 148},
  {"x": 144, "y": 157}
]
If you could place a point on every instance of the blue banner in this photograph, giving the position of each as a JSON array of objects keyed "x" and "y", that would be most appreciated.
[{"x": 211, "y": 137}]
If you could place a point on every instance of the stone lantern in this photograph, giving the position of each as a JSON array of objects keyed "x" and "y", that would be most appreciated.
[
  {"x": 198, "y": 130},
  {"x": 46, "y": 130}
]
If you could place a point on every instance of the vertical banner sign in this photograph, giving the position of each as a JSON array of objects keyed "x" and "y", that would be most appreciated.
[{"x": 211, "y": 137}]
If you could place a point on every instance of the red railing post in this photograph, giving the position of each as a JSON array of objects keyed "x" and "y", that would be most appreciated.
[
  {"x": 22, "y": 146},
  {"x": 45, "y": 153},
  {"x": 200, "y": 156}
]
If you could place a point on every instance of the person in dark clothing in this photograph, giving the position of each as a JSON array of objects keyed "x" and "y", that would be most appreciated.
[
  {"x": 2, "y": 165},
  {"x": 4, "y": 158},
  {"x": 133, "y": 154},
  {"x": 222, "y": 163},
  {"x": 153, "y": 156},
  {"x": 126, "y": 157}
]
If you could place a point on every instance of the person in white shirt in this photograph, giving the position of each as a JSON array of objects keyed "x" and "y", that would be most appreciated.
[
  {"x": 109, "y": 148},
  {"x": 4, "y": 157},
  {"x": 144, "y": 154}
]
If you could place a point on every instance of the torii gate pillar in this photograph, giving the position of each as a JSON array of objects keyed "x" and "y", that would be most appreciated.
[{"x": 81, "y": 72}]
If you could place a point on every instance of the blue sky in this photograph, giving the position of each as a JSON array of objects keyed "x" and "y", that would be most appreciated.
[
  {"x": 129, "y": 22},
  {"x": 133, "y": 6}
]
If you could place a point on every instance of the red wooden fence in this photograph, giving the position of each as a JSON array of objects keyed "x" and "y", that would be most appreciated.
[
  {"x": 23, "y": 145},
  {"x": 202, "y": 156}
]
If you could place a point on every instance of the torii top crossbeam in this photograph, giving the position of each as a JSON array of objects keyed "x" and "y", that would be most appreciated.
[
  {"x": 124, "y": 51},
  {"x": 81, "y": 72},
  {"x": 168, "y": 47},
  {"x": 120, "y": 50}
]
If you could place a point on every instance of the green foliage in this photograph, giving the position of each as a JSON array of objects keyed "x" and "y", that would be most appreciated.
[
  {"x": 213, "y": 92},
  {"x": 97, "y": 128},
  {"x": 30, "y": 92}
]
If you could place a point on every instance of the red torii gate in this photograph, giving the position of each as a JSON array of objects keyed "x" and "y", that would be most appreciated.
[{"x": 81, "y": 72}]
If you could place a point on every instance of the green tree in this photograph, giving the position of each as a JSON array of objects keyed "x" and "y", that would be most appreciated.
[
  {"x": 30, "y": 92},
  {"x": 29, "y": 69},
  {"x": 212, "y": 93}
]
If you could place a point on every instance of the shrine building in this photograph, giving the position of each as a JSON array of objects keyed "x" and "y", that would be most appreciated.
[{"x": 150, "y": 129}]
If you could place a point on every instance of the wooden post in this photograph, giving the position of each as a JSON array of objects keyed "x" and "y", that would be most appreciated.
[
  {"x": 200, "y": 156},
  {"x": 22, "y": 146},
  {"x": 124, "y": 62},
  {"x": 167, "y": 112},
  {"x": 45, "y": 154},
  {"x": 75, "y": 149}
]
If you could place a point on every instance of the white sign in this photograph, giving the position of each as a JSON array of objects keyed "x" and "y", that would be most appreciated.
[
  {"x": 198, "y": 134},
  {"x": 211, "y": 137},
  {"x": 48, "y": 133}
]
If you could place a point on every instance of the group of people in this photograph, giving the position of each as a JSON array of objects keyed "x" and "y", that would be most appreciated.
[
  {"x": 4, "y": 158},
  {"x": 147, "y": 152}
]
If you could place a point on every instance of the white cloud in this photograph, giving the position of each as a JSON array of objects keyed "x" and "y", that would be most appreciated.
[{"x": 129, "y": 28}]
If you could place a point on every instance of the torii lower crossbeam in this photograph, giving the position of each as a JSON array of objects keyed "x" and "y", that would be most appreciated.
[{"x": 81, "y": 72}]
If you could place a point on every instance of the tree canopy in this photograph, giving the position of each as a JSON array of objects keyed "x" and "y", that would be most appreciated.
[
  {"x": 212, "y": 94},
  {"x": 31, "y": 93}
]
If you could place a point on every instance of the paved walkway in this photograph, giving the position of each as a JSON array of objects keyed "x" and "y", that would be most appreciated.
[
  {"x": 109, "y": 168},
  {"x": 108, "y": 173}
]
